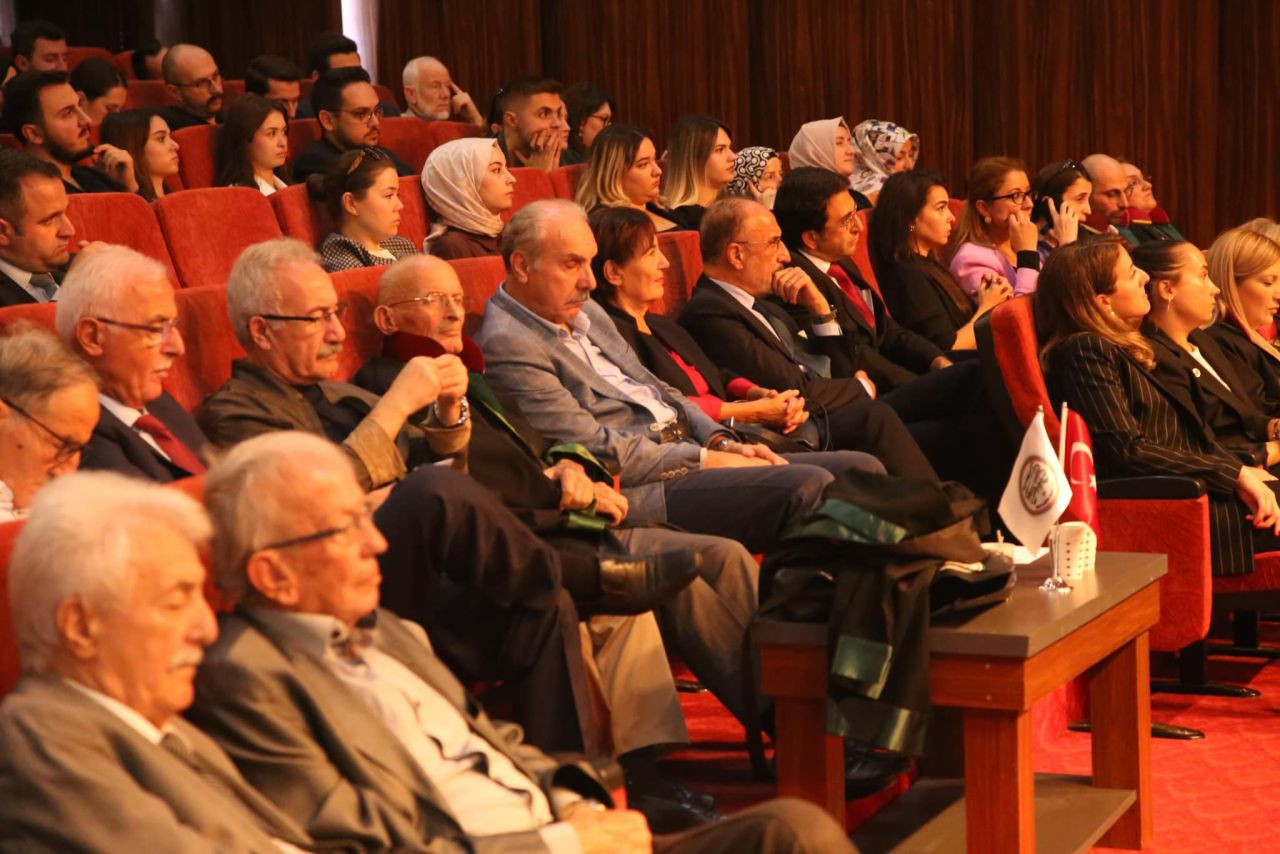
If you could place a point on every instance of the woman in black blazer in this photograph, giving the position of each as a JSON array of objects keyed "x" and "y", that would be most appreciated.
[
  {"x": 1245, "y": 264},
  {"x": 1088, "y": 305}
]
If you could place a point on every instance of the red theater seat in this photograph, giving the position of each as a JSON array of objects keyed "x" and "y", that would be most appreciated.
[
  {"x": 298, "y": 216},
  {"x": 231, "y": 89},
  {"x": 685, "y": 256},
  {"x": 862, "y": 258},
  {"x": 785, "y": 159},
  {"x": 211, "y": 346},
  {"x": 196, "y": 147},
  {"x": 359, "y": 290},
  {"x": 565, "y": 180},
  {"x": 10, "y": 667},
  {"x": 148, "y": 93},
  {"x": 408, "y": 138},
  {"x": 37, "y": 313},
  {"x": 122, "y": 218},
  {"x": 480, "y": 277},
  {"x": 413, "y": 219},
  {"x": 77, "y": 55},
  {"x": 207, "y": 229},
  {"x": 957, "y": 207},
  {"x": 438, "y": 133},
  {"x": 531, "y": 185},
  {"x": 124, "y": 62},
  {"x": 386, "y": 95}
]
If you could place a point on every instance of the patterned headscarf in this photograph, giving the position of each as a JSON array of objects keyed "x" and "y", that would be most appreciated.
[
  {"x": 815, "y": 144},
  {"x": 877, "y": 146},
  {"x": 451, "y": 180},
  {"x": 748, "y": 168}
]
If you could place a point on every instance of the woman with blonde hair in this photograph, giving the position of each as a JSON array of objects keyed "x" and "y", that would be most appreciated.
[
  {"x": 468, "y": 186},
  {"x": 623, "y": 172},
  {"x": 1245, "y": 265},
  {"x": 996, "y": 235},
  {"x": 700, "y": 163},
  {"x": 1088, "y": 306}
]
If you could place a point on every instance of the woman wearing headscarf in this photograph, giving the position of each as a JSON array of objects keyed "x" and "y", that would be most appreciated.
[
  {"x": 468, "y": 186},
  {"x": 826, "y": 144},
  {"x": 757, "y": 174},
  {"x": 880, "y": 149}
]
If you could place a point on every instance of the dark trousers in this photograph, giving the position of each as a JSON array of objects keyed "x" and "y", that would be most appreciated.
[
  {"x": 488, "y": 592},
  {"x": 781, "y": 826},
  {"x": 874, "y": 427}
]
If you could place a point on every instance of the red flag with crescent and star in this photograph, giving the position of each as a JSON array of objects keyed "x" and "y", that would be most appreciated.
[{"x": 1079, "y": 466}]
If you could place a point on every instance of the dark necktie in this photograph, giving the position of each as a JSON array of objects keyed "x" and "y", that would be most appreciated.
[
  {"x": 44, "y": 283},
  {"x": 813, "y": 363},
  {"x": 854, "y": 294},
  {"x": 177, "y": 451}
]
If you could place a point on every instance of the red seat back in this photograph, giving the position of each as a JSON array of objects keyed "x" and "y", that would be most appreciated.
[
  {"x": 531, "y": 185},
  {"x": 10, "y": 666},
  {"x": 565, "y": 180},
  {"x": 196, "y": 146},
  {"x": 359, "y": 289},
  {"x": 148, "y": 93},
  {"x": 37, "y": 313},
  {"x": 685, "y": 256},
  {"x": 408, "y": 138},
  {"x": 77, "y": 55},
  {"x": 300, "y": 217},
  {"x": 124, "y": 62},
  {"x": 480, "y": 277},
  {"x": 302, "y": 132},
  {"x": 862, "y": 257},
  {"x": 785, "y": 159},
  {"x": 386, "y": 95},
  {"x": 8, "y": 140},
  {"x": 122, "y": 218},
  {"x": 957, "y": 207},
  {"x": 413, "y": 219},
  {"x": 438, "y": 133},
  {"x": 231, "y": 89},
  {"x": 1016, "y": 348},
  {"x": 211, "y": 346},
  {"x": 207, "y": 229}
]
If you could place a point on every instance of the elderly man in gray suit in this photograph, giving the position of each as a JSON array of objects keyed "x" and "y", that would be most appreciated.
[
  {"x": 341, "y": 714},
  {"x": 107, "y": 605}
]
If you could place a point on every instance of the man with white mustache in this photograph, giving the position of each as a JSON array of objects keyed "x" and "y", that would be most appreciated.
[{"x": 111, "y": 621}]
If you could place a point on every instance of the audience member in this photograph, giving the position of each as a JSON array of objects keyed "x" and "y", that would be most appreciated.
[
  {"x": 331, "y": 51},
  {"x": 194, "y": 79},
  {"x": 346, "y": 105},
  {"x": 1108, "y": 203},
  {"x": 1088, "y": 305},
  {"x": 147, "y": 60},
  {"x": 35, "y": 234},
  {"x": 361, "y": 192},
  {"x": 43, "y": 112},
  {"x": 1266, "y": 226},
  {"x": 144, "y": 135},
  {"x": 535, "y": 124},
  {"x": 700, "y": 164},
  {"x": 622, "y": 171},
  {"x": 996, "y": 235},
  {"x": 48, "y": 406},
  {"x": 100, "y": 87},
  {"x": 1245, "y": 264},
  {"x": 880, "y": 149},
  {"x": 253, "y": 145},
  {"x": 432, "y": 95},
  {"x": 37, "y": 46},
  {"x": 590, "y": 110},
  {"x": 910, "y": 224},
  {"x": 468, "y": 186},
  {"x": 116, "y": 311},
  {"x": 275, "y": 78},
  {"x": 448, "y": 776},
  {"x": 826, "y": 144},
  {"x": 757, "y": 174},
  {"x": 1147, "y": 220},
  {"x": 1060, "y": 195}
]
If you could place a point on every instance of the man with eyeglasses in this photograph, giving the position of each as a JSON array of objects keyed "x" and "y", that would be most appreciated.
[
  {"x": 1148, "y": 221},
  {"x": 432, "y": 95},
  {"x": 194, "y": 79},
  {"x": 535, "y": 122},
  {"x": 346, "y": 105},
  {"x": 116, "y": 311},
  {"x": 48, "y": 408}
]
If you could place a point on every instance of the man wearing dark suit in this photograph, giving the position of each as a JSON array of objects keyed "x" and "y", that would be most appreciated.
[
  {"x": 35, "y": 234},
  {"x": 740, "y": 328},
  {"x": 341, "y": 714},
  {"x": 346, "y": 106},
  {"x": 116, "y": 310},
  {"x": 194, "y": 79},
  {"x": 93, "y": 753}
]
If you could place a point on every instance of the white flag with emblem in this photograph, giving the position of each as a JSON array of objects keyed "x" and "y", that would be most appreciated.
[{"x": 1038, "y": 490}]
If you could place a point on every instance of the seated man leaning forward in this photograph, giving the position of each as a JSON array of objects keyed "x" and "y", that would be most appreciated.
[
  {"x": 116, "y": 310},
  {"x": 342, "y": 715},
  {"x": 107, "y": 604},
  {"x": 557, "y": 354}
]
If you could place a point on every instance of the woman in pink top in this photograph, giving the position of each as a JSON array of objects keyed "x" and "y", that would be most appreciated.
[{"x": 995, "y": 235}]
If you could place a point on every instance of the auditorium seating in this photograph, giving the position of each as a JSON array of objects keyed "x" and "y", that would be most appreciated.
[
  {"x": 77, "y": 55},
  {"x": 298, "y": 217},
  {"x": 10, "y": 668},
  {"x": 359, "y": 290},
  {"x": 196, "y": 146},
  {"x": 148, "y": 93},
  {"x": 413, "y": 219},
  {"x": 302, "y": 132},
  {"x": 565, "y": 179},
  {"x": 124, "y": 62},
  {"x": 862, "y": 257},
  {"x": 211, "y": 345},
  {"x": 957, "y": 207},
  {"x": 441, "y": 132},
  {"x": 531, "y": 185},
  {"x": 207, "y": 229},
  {"x": 231, "y": 89},
  {"x": 685, "y": 255},
  {"x": 479, "y": 277},
  {"x": 408, "y": 138},
  {"x": 37, "y": 313},
  {"x": 123, "y": 218}
]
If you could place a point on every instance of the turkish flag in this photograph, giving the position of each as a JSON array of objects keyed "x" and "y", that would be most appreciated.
[{"x": 1079, "y": 466}]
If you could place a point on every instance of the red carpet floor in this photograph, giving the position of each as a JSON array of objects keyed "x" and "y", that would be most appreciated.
[{"x": 1219, "y": 795}]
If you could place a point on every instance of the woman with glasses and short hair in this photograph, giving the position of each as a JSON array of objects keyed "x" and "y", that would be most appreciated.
[
  {"x": 361, "y": 192},
  {"x": 996, "y": 236},
  {"x": 1147, "y": 220},
  {"x": 590, "y": 110}
]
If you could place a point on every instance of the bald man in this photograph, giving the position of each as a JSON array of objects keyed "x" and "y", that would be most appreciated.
[
  {"x": 1109, "y": 201},
  {"x": 194, "y": 79},
  {"x": 432, "y": 95}
]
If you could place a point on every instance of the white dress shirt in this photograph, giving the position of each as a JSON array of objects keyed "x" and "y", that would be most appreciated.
[
  {"x": 824, "y": 330},
  {"x": 269, "y": 189},
  {"x": 23, "y": 278},
  {"x": 8, "y": 513}
]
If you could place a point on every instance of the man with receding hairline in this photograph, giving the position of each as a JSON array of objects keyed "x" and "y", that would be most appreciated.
[
  {"x": 1109, "y": 201},
  {"x": 194, "y": 79},
  {"x": 432, "y": 95}
]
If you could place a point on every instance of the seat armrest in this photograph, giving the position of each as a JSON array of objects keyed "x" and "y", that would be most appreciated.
[{"x": 1151, "y": 487}]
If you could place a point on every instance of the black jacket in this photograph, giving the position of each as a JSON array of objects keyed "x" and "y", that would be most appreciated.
[
  {"x": 11, "y": 293},
  {"x": 117, "y": 447},
  {"x": 321, "y": 154},
  {"x": 655, "y": 352},
  {"x": 1258, "y": 371},
  {"x": 918, "y": 298}
]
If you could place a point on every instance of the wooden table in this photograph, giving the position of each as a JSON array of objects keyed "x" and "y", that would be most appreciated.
[{"x": 987, "y": 670}]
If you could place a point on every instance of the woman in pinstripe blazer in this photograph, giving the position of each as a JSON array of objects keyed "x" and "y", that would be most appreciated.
[{"x": 1088, "y": 305}]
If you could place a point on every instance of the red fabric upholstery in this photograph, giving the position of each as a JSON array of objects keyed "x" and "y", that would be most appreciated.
[
  {"x": 302, "y": 132},
  {"x": 685, "y": 255},
  {"x": 386, "y": 95},
  {"x": 1177, "y": 528},
  {"x": 413, "y": 219},
  {"x": 1265, "y": 576},
  {"x": 211, "y": 346},
  {"x": 77, "y": 55},
  {"x": 785, "y": 159},
  {"x": 957, "y": 207},
  {"x": 38, "y": 313},
  {"x": 148, "y": 93},
  {"x": 862, "y": 257},
  {"x": 298, "y": 216},
  {"x": 408, "y": 138},
  {"x": 565, "y": 180},
  {"x": 10, "y": 667},
  {"x": 124, "y": 62},
  {"x": 8, "y": 140},
  {"x": 122, "y": 218},
  {"x": 438, "y": 133},
  {"x": 195, "y": 155},
  {"x": 359, "y": 289},
  {"x": 531, "y": 185},
  {"x": 480, "y": 277},
  {"x": 206, "y": 230},
  {"x": 231, "y": 89}
]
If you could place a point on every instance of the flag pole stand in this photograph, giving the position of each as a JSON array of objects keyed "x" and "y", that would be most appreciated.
[{"x": 1055, "y": 583}]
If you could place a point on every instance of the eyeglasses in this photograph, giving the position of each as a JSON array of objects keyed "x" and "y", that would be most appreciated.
[
  {"x": 364, "y": 114},
  {"x": 604, "y": 119},
  {"x": 371, "y": 153},
  {"x": 205, "y": 83},
  {"x": 67, "y": 448},
  {"x": 771, "y": 244},
  {"x": 157, "y": 330},
  {"x": 1142, "y": 183},
  {"x": 362, "y": 517},
  {"x": 436, "y": 298},
  {"x": 1017, "y": 196},
  {"x": 845, "y": 222},
  {"x": 326, "y": 315}
]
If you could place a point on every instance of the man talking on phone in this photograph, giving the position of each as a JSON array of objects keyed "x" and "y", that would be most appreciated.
[{"x": 43, "y": 112}]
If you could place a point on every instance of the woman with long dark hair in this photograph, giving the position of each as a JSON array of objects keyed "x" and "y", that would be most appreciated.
[
  {"x": 253, "y": 145},
  {"x": 145, "y": 135}
]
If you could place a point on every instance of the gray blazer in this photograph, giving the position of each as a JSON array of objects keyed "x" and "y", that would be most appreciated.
[
  {"x": 73, "y": 776},
  {"x": 314, "y": 748},
  {"x": 565, "y": 399}
]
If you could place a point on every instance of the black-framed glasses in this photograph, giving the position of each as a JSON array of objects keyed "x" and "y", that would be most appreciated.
[
  {"x": 1017, "y": 196},
  {"x": 365, "y": 114},
  {"x": 437, "y": 298},
  {"x": 362, "y": 517},
  {"x": 67, "y": 448},
  {"x": 324, "y": 315},
  {"x": 159, "y": 330},
  {"x": 845, "y": 222},
  {"x": 204, "y": 83}
]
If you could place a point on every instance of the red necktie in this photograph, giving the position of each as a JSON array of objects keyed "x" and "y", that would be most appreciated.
[
  {"x": 181, "y": 456},
  {"x": 851, "y": 291}
]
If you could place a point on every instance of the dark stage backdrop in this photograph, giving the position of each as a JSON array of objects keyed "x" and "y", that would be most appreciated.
[{"x": 1188, "y": 89}]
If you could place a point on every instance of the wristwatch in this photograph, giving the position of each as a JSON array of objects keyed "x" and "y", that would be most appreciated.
[
  {"x": 826, "y": 318},
  {"x": 462, "y": 419},
  {"x": 719, "y": 443}
]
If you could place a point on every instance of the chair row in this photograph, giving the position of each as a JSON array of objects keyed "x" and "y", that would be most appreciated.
[{"x": 156, "y": 93}]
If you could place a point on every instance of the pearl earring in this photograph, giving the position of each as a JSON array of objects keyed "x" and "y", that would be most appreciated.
[
  {"x": 911, "y": 227},
  {"x": 987, "y": 220}
]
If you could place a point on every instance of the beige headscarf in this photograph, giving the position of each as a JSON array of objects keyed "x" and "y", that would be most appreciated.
[
  {"x": 451, "y": 179},
  {"x": 815, "y": 144}
]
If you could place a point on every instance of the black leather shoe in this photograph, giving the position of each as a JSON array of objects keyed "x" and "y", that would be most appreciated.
[
  {"x": 670, "y": 807},
  {"x": 867, "y": 772},
  {"x": 633, "y": 585}
]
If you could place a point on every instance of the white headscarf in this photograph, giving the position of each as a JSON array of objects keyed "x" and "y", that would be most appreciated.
[
  {"x": 451, "y": 179},
  {"x": 877, "y": 145},
  {"x": 815, "y": 144}
]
